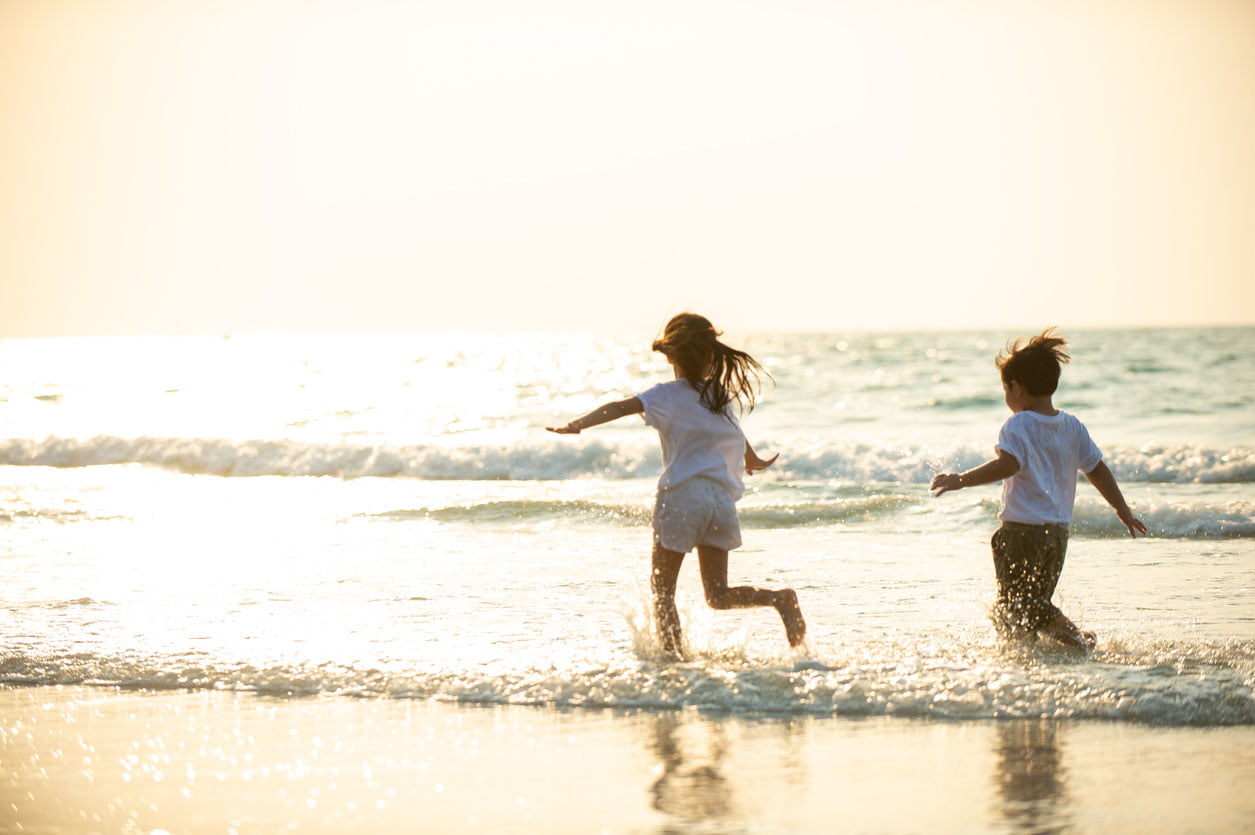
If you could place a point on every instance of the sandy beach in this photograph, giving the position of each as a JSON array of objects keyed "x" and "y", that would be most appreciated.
[
  {"x": 91, "y": 759},
  {"x": 292, "y": 294}
]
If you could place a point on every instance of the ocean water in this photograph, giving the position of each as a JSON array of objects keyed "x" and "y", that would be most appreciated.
[{"x": 385, "y": 516}]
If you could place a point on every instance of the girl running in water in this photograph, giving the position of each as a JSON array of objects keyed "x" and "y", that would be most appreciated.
[{"x": 703, "y": 454}]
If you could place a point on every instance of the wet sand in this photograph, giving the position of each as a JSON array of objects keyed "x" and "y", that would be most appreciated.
[{"x": 85, "y": 759}]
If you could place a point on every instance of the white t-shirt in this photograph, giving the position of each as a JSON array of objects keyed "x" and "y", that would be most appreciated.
[
  {"x": 1050, "y": 450},
  {"x": 695, "y": 440}
]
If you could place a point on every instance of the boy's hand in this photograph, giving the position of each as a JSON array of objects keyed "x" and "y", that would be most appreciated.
[
  {"x": 569, "y": 429},
  {"x": 945, "y": 482},
  {"x": 1105, "y": 482},
  {"x": 1131, "y": 522},
  {"x": 995, "y": 469}
]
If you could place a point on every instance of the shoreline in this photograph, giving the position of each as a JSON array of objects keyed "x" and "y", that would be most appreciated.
[{"x": 83, "y": 759}]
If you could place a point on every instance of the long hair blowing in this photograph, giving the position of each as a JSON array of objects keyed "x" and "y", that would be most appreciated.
[{"x": 720, "y": 373}]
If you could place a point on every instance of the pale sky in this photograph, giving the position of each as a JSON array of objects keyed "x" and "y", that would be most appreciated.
[{"x": 348, "y": 165}]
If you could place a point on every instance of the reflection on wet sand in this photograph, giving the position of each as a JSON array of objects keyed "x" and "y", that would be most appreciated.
[
  {"x": 1030, "y": 779},
  {"x": 689, "y": 784}
]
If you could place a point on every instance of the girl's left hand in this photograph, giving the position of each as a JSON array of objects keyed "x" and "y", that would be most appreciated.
[{"x": 754, "y": 464}]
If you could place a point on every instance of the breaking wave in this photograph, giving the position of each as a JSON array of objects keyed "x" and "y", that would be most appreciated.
[{"x": 546, "y": 459}]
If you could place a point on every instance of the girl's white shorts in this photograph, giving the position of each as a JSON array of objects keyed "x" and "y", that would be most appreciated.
[{"x": 695, "y": 512}]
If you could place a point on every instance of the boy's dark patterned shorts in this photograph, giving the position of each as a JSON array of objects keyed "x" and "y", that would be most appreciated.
[{"x": 1028, "y": 560}]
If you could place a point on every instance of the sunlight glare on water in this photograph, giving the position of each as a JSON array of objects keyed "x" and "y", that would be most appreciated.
[{"x": 407, "y": 527}]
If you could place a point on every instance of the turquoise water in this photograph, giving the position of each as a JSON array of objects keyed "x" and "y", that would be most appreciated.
[{"x": 385, "y": 515}]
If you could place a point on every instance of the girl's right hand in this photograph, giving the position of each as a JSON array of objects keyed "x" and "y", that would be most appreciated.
[{"x": 569, "y": 429}]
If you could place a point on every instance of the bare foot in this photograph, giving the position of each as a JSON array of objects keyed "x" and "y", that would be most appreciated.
[
  {"x": 791, "y": 614},
  {"x": 1091, "y": 640}
]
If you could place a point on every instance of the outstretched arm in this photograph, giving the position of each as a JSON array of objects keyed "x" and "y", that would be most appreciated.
[
  {"x": 995, "y": 469},
  {"x": 600, "y": 415},
  {"x": 1102, "y": 478},
  {"x": 753, "y": 463}
]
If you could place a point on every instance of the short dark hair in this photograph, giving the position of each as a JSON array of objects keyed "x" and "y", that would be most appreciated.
[{"x": 1034, "y": 362}]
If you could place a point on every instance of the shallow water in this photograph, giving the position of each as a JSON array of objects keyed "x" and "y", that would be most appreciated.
[{"x": 386, "y": 516}]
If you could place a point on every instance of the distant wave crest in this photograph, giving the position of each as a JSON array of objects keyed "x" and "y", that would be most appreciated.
[
  {"x": 547, "y": 459},
  {"x": 223, "y": 457},
  {"x": 523, "y": 512},
  {"x": 1092, "y": 517}
]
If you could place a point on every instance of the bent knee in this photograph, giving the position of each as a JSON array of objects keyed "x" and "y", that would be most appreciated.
[{"x": 718, "y": 600}]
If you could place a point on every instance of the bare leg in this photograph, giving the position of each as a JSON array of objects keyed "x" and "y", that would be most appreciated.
[
  {"x": 1066, "y": 632},
  {"x": 714, "y": 565},
  {"x": 665, "y": 573}
]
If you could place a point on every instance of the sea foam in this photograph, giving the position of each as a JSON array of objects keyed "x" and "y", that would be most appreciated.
[
  {"x": 1159, "y": 684},
  {"x": 542, "y": 459}
]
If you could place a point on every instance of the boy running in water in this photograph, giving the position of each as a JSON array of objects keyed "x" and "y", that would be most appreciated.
[{"x": 1039, "y": 451}]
